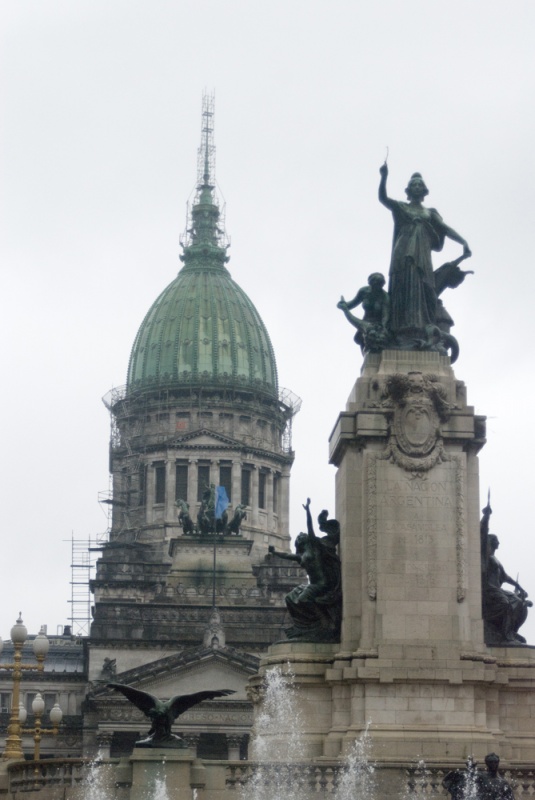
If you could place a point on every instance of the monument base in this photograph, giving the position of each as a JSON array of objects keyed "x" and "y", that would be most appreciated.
[
  {"x": 412, "y": 668},
  {"x": 410, "y": 705},
  {"x": 155, "y": 768}
]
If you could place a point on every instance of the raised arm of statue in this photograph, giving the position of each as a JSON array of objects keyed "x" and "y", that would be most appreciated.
[
  {"x": 310, "y": 525},
  {"x": 484, "y": 534},
  {"x": 383, "y": 197}
]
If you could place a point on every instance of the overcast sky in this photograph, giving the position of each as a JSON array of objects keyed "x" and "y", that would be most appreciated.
[{"x": 101, "y": 104}]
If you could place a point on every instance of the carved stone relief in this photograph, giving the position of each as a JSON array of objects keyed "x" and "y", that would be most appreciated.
[
  {"x": 454, "y": 498},
  {"x": 418, "y": 405}
]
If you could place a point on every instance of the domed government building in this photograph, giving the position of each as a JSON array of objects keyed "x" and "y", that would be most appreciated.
[{"x": 186, "y": 595}]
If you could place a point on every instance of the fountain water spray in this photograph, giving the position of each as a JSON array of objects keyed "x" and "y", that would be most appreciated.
[
  {"x": 356, "y": 779},
  {"x": 281, "y": 771},
  {"x": 277, "y": 745},
  {"x": 96, "y": 786},
  {"x": 420, "y": 781},
  {"x": 471, "y": 786},
  {"x": 100, "y": 782},
  {"x": 158, "y": 791}
]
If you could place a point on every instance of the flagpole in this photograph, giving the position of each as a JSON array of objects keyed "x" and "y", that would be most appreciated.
[
  {"x": 213, "y": 570},
  {"x": 221, "y": 504}
]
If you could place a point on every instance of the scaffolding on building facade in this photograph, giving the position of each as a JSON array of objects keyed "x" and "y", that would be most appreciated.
[{"x": 82, "y": 563}]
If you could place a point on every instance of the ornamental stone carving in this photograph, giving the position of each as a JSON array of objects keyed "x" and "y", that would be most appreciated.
[
  {"x": 419, "y": 406},
  {"x": 255, "y": 694}
]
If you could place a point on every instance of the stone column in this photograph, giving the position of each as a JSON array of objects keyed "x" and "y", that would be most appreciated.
[
  {"x": 269, "y": 500},
  {"x": 192, "y": 740},
  {"x": 284, "y": 501},
  {"x": 254, "y": 495},
  {"x": 117, "y": 511},
  {"x": 150, "y": 492},
  {"x": 234, "y": 741},
  {"x": 170, "y": 488},
  {"x": 192, "y": 485},
  {"x": 236, "y": 482},
  {"x": 63, "y": 699},
  {"x": 190, "y": 469},
  {"x": 214, "y": 472},
  {"x": 70, "y": 705},
  {"x": 104, "y": 743}
]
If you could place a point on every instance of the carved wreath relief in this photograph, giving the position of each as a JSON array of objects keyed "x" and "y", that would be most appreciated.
[{"x": 418, "y": 407}]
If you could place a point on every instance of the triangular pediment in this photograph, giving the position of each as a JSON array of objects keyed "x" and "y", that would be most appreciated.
[
  {"x": 196, "y": 670},
  {"x": 193, "y": 670},
  {"x": 205, "y": 438}
]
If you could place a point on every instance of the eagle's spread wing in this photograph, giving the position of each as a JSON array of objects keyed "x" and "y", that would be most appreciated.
[
  {"x": 144, "y": 701},
  {"x": 180, "y": 703}
]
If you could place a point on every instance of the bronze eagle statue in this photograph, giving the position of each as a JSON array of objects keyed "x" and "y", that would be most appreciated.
[{"x": 163, "y": 713}]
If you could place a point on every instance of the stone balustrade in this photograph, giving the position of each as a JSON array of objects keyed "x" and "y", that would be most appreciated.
[{"x": 317, "y": 780}]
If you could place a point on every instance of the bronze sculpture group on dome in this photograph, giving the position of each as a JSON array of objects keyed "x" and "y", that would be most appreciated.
[
  {"x": 209, "y": 520},
  {"x": 410, "y": 316}
]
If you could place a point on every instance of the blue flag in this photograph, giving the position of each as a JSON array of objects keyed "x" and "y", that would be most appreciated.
[{"x": 221, "y": 501}]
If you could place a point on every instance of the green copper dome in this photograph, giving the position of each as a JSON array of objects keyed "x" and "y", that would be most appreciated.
[{"x": 203, "y": 330}]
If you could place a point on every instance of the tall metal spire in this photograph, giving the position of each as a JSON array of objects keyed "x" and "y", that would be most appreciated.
[
  {"x": 206, "y": 152},
  {"x": 205, "y": 221}
]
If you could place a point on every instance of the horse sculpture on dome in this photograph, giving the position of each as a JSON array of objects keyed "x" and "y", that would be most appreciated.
[{"x": 184, "y": 519}]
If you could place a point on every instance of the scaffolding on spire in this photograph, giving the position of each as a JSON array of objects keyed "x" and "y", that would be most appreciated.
[
  {"x": 206, "y": 151},
  {"x": 206, "y": 182}
]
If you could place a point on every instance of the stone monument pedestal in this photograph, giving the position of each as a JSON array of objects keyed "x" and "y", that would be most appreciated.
[
  {"x": 407, "y": 491},
  {"x": 152, "y": 765},
  {"x": 412, "y": 666},
  {"x": 408, "y": 501}
]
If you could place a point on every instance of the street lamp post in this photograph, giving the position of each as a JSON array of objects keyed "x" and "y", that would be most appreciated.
[
  {"x": 41, "y": 644},
  {"x": 38, "y": 708}
]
